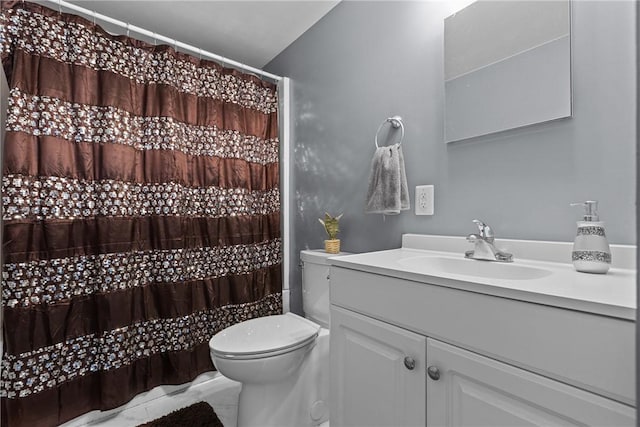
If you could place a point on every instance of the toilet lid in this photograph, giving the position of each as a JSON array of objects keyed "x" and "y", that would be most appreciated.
[{"x": 263, "y": 335}]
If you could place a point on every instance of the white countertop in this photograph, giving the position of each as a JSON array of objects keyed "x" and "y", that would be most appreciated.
[{"x": 612, "y": 294}]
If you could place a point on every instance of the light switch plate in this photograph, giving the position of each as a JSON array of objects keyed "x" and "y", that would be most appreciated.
[{"x": 424, "y": 199}]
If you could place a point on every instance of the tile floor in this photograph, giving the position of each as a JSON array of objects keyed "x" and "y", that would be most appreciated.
[
  {"x": 211, "y": 387},
  {"x": 220, "y": 392}
]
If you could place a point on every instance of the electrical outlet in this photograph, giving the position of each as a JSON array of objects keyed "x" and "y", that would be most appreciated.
[{"x": 424, "y": 199}]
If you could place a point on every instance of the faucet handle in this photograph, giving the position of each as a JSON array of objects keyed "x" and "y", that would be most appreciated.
[{"x": 485, "y": 231}]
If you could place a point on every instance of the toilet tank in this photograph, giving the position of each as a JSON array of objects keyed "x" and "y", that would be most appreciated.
[{"x": 315, "y": 285}]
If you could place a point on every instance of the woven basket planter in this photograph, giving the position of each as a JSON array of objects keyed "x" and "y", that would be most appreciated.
[{"x": 332, "y": 246}]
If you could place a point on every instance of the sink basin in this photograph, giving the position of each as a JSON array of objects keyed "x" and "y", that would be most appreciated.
[{"x": 469, "y": 267}]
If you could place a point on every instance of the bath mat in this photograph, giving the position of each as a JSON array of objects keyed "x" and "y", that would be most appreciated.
[{"x": 199, "y": 414}]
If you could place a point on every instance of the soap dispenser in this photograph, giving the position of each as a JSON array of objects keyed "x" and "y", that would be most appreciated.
[{"x": 591, "y": 253}]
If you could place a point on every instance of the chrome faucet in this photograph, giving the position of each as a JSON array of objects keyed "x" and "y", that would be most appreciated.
[{"x": 484, "y": 248}]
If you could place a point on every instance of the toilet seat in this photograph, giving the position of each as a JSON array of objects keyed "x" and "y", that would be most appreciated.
[{"x": 264, "y": 337}]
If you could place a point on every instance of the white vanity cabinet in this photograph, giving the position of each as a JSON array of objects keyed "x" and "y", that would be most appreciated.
[
  {"x": 473, "y": 390},
  {"x": 378, "y": 372},
  {"x": 471, "y": 359}
]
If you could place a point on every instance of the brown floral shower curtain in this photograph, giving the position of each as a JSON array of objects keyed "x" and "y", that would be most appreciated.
[{"x": 141, "y": 213}]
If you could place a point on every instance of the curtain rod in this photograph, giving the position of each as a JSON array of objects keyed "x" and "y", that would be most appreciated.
[{"x": 170, "y": 41}]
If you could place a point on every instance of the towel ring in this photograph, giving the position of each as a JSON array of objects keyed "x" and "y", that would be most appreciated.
[{"x": 396, "y": 122}]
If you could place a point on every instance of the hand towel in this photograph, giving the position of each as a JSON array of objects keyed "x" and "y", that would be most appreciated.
[{"x": 388, "y": 193}]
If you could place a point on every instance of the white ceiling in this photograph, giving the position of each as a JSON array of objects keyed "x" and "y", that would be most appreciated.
[{"x": 251, "y": 32}]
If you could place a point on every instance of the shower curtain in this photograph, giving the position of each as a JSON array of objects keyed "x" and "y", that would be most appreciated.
[{"x": 141, "y": 213}]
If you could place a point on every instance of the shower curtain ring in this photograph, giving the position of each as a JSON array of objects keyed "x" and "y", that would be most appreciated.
[
  {"x": 127, "y": 29},
  {"x": 59, "y": 7},
  {"x": 94, "y": 17}
]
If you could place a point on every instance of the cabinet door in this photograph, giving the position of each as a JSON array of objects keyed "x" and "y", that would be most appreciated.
[
  {"x": 377, "y": 373},
  {"x": 478, "y": 391}
]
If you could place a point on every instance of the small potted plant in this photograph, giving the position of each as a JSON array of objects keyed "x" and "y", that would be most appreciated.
[{"x": 331, "y": 245}]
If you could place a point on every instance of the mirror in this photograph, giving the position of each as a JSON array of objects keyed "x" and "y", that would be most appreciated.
[{"x": 507, "y": 65}]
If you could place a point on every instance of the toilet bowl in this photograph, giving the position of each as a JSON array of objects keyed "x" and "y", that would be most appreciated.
[
  {"x": 282, "y": 361},
  {"x": 263, "y": 350},
  {"x": 272, "y": 358}
]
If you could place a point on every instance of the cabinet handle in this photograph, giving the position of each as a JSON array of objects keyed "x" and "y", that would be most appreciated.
[
  {"x": 434, "y": 373},
  {"x": 409, "y": 363}
]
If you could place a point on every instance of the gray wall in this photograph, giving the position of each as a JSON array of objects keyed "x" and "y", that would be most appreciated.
[
  {"x": 366, "y": 61},
  {"x": 637, "y": 219}
]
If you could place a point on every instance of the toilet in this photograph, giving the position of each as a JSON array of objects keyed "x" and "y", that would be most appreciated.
[{"x": 282, "y": 361}]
